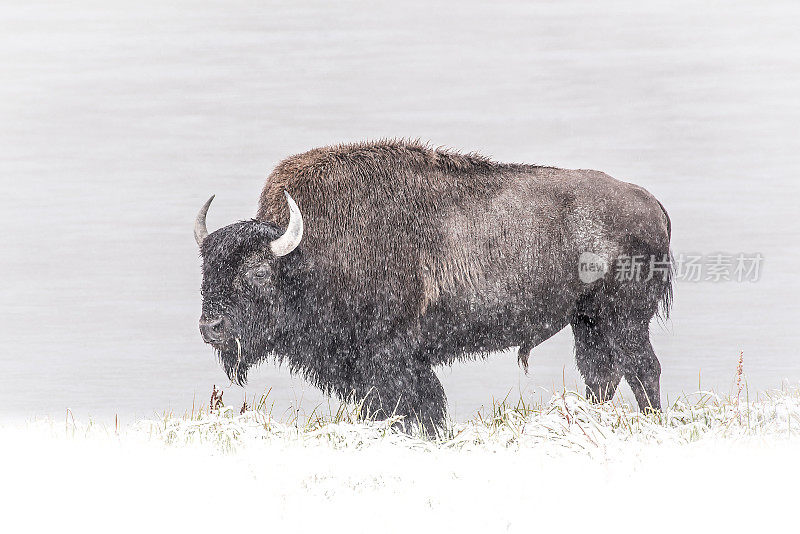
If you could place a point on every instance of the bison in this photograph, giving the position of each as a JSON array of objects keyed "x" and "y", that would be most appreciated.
[{"x": 369, "y": 264}]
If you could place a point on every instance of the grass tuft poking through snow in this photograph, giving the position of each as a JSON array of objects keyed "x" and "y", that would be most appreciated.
[{"x": 567, "y": 423}]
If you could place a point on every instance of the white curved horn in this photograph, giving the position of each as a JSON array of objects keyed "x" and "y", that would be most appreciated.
[
  {"x": 294, "y": 231},
  {"x": 200, "y": 230}
]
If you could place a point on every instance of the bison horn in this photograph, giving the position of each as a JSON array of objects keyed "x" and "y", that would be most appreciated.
[
  {"x": 294, "y": 231},
  {"x": 200, "y": 230}
]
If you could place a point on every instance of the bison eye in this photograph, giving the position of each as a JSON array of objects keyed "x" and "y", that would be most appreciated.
[{"x": 260, "y": 273}]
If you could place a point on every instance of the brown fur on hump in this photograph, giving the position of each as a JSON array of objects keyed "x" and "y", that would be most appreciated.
[{"x": 371, "y": 208}]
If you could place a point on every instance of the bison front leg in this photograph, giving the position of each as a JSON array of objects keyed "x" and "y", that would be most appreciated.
[{"x": 407, "y": 388}]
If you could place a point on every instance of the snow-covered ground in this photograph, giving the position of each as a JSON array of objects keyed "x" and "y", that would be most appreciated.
[{"x": 566, "y": 464}]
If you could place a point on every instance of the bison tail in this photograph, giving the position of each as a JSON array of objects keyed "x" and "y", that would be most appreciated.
[{"x": 665, "y": 299}]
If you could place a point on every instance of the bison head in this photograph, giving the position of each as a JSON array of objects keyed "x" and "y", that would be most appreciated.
[{"x": 242, "y": 293}]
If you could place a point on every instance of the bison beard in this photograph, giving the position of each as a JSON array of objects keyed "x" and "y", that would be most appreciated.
[{"x": 415, "y": 257}]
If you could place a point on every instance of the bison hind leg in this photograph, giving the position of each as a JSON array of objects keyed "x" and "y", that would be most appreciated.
[
  {"x": 612, "y": 339},
  {"x": 595, "y": 358},
  {"x": 640, "y": 364}
]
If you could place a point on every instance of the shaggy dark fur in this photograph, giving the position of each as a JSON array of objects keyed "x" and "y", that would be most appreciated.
[{"x": 415, "y": 257}]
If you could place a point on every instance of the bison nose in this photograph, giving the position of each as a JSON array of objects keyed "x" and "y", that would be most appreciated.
[{"x": 213, "y": 330}]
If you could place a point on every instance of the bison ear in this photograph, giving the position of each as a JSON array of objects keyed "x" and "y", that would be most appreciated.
[{"x": 294, "y": 231}]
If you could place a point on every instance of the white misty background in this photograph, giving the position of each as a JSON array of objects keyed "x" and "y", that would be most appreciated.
[{"x": 120, "y": 119}]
